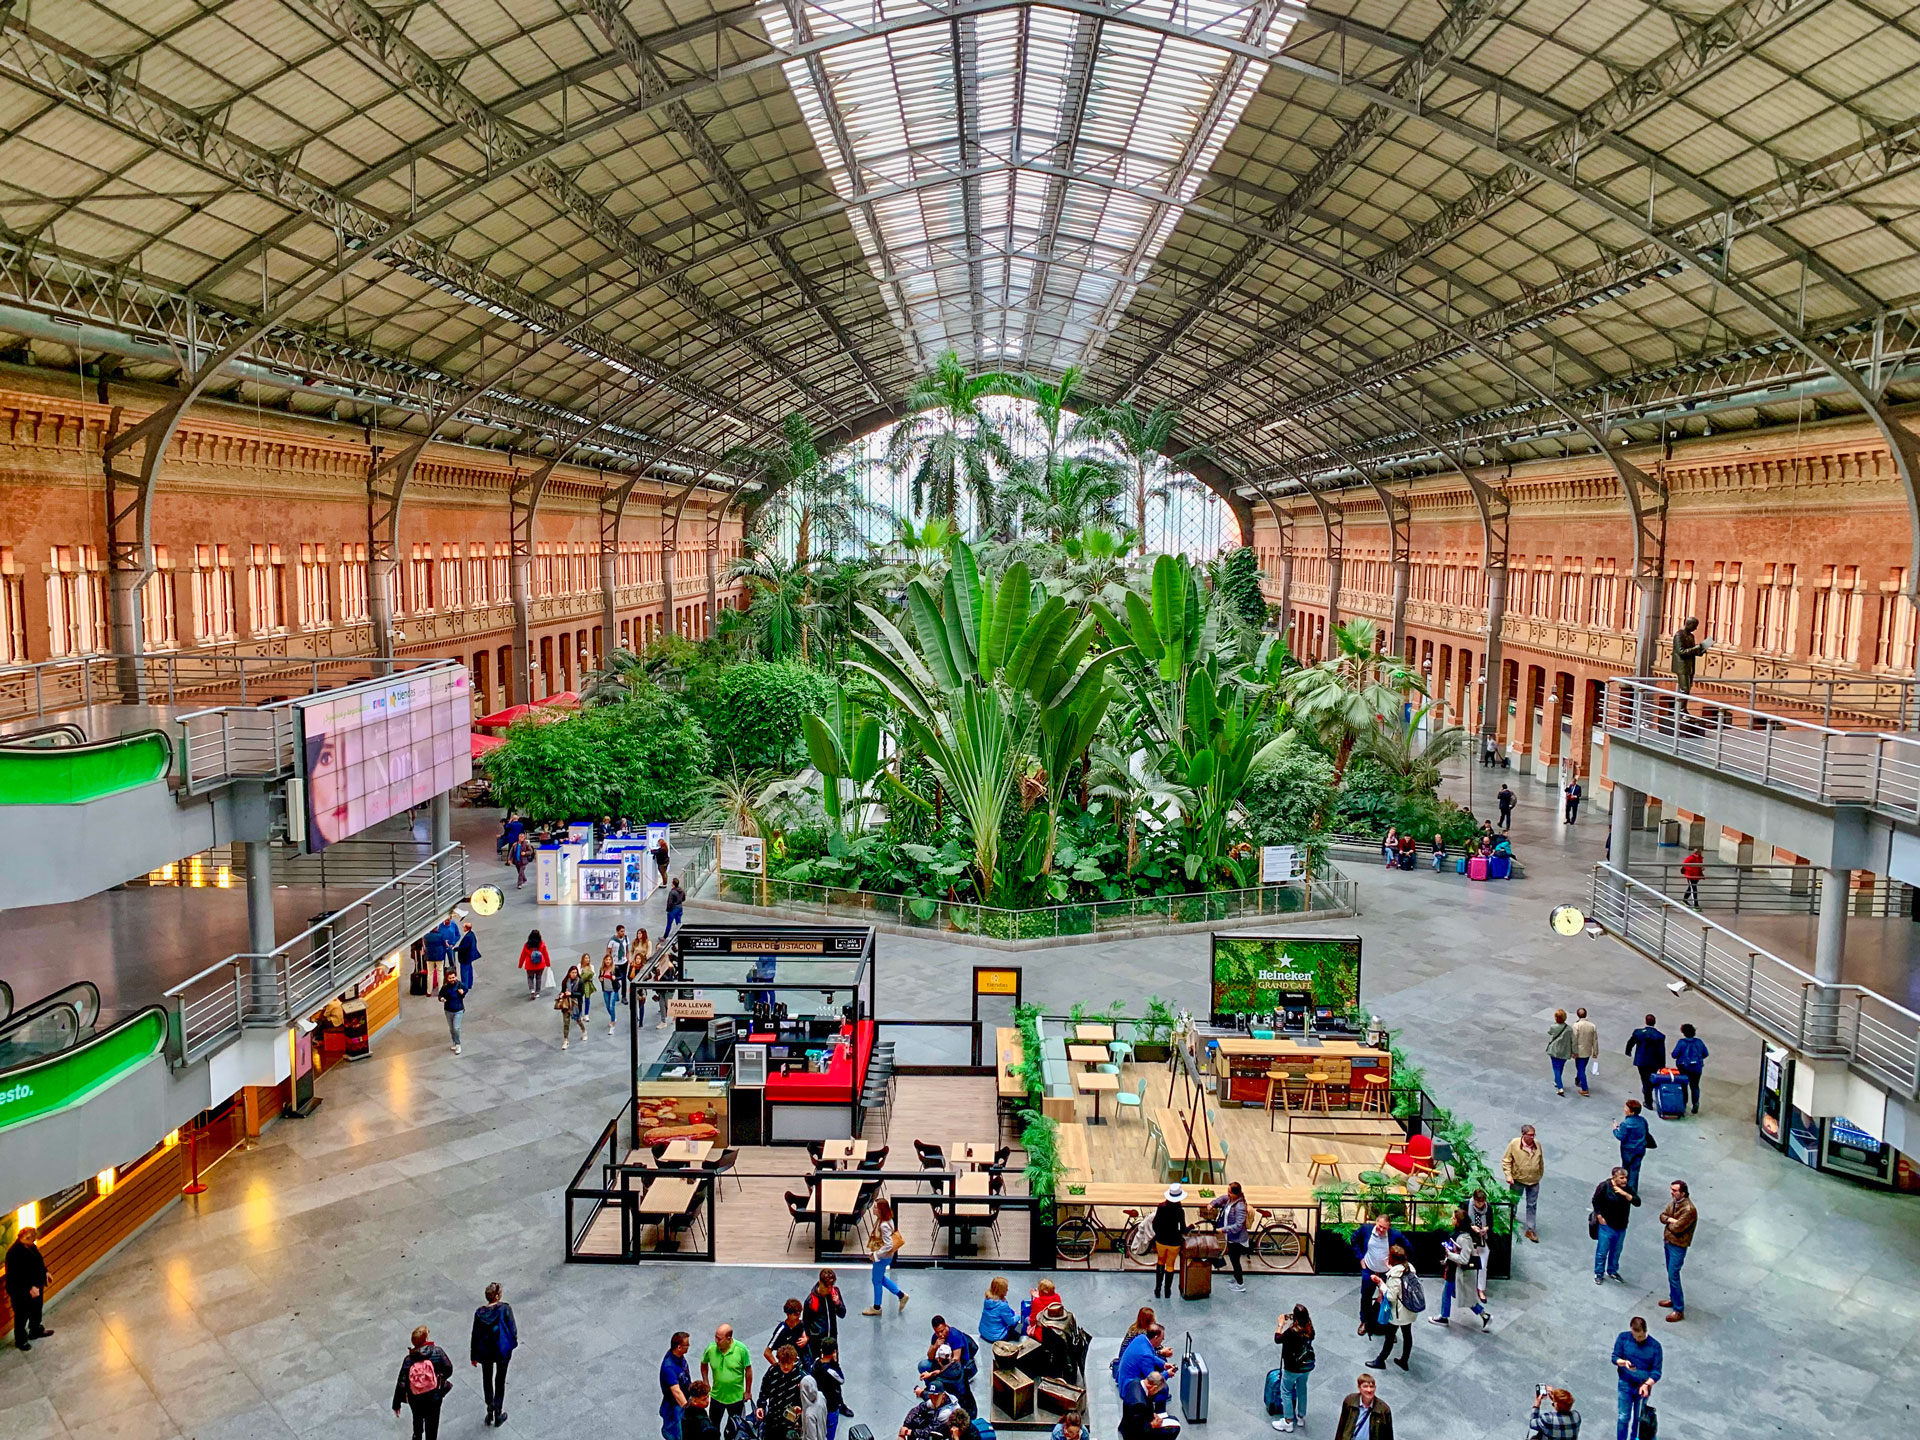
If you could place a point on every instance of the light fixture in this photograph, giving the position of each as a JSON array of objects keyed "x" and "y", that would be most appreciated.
[
  {"x": 27, "y": 1217},
  {"x": 103, "y": 1182}
]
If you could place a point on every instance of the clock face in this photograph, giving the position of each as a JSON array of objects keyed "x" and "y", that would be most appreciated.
[
  {"x": 487, "y": 900},
  {"x": 1566, "y": 920}
]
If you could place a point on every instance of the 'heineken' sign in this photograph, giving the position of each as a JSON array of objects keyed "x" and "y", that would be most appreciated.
[{"x": 70, "y": 1077}]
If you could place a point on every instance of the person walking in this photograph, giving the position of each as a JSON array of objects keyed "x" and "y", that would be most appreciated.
[
  {"x": 1169, "y": 1233},
  {"x": 1572, "y": 794},
  {"x": 1505, "y": 800},
  {"x": 1233, "y": 1217},
  {"x": 676, "y": 903},
  {"x": 676, "y": 1384},
  {"x": 662, "y": 857},
  {"x": 1396, "y": 1318},
  {"x": 1559, "y": 1050},
  {"x": 1677, "y": 1222},
  {"x": 466, "y": 952},
  {"x": 495, "y": 1338},
  {"x": 1693, "y": 870},
  {"x": 1647, "y": 1048},
  {"x": 1523, "y": 1166},
  {"x": 453, "y": 1000},
  {"x": 1461, "y": 1271},
  {"x": 1293, "y": 1333},
  {"x": 1635, "y": 1140},
  {"x": 621, "y": 949},
  {"x": 1690, "y": 1058},
  {"x": 536, "y": 962},
  {"x": 1373, "y": 1246},
  {"x": 567, "y": 1002},
  {"x": 1363, "y": 1414},
  {"x": 609, "y": 987},
  {"x": 727, "y": 1366},
  {"x": 1586, "y": 1047},
  {"x": 1637, "y": 1360},
  {"x": 1613, "y": 1202},
  {"x": 587, "y": 989},
  {"x": 426, "y": 1375},
  {"x": 522, "y": 854},
  {"x": 509, "y": 835},
  {"x": 884, "y": 1242},
  {"x": 27, "y": 1278}
]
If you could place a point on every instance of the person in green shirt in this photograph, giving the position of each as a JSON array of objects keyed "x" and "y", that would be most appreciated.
[{"x": 727, "y": 1366}]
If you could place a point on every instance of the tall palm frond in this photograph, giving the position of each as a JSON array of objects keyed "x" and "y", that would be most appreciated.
[
  {"x": 949, "y": 443},
  {"x": 1142, "y": 441}
]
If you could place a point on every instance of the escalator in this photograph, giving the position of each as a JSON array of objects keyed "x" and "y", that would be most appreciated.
[
  {"x": 54, "y": 1053},
  {"x": 49, "y": 1025},
  {"x": 51, "y": 767}
]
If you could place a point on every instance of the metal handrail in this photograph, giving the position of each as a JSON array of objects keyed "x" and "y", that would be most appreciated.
[
  {"x": 1771, "y": 889},
  {"x": 250, "y": 990},
  {"x": 1876, "y": 1036},
  {"x": 1820, "y": 762}
]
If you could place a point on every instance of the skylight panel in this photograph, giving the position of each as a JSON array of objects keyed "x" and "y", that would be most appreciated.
[{"x": 1038, "y": 158}]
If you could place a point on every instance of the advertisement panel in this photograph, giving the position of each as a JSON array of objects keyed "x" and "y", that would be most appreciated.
[
  {"x": 1259, "y": 974},
  {"x": 374, "y": 751}
]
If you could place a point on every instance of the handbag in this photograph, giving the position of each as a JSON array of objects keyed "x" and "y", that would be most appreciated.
[{"x": 1593, "y": 1225}]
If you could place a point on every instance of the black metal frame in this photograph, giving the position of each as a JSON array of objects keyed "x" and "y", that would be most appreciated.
[
  {"x": 617, "y": 1188},
  {"x": 942, "y": 1194}
]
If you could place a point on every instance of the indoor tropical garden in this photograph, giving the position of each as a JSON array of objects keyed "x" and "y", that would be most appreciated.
[{"x": 991, "y": 676}]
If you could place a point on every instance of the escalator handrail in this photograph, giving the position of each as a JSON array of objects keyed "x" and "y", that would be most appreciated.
[
  {"x": 6, "y": 1000},
  {"x": 71, "y": 753},
  {"x": 144, "y": 1016},
  {"x": 80, "y": 1034},
  {"x": 22, "y": 739},
  {"x": 86, "y": 1008}
]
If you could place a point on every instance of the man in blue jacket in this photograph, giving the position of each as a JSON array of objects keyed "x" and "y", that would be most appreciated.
[
  {"x": 1690, "y": 1058},
  {"x": 1647, "y": 1048},
  {"x": 1636, "y": 1359},
  {"x": 1635, "y": 1141},
  {"x": 1372, "y": 1246}
]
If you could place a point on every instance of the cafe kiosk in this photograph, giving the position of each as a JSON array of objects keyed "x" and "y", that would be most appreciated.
[
  {"x": 772, "y": 1034},
  {"x": 1287, "y": 1003}
]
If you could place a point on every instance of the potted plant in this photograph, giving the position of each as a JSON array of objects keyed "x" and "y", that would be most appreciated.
[{"x": 1152, "y": 1031}]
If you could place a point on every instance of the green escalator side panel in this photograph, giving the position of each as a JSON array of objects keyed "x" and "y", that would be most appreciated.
[
  {"x": 75, "y": 774},
  {"x": 59, "y": 1082}
]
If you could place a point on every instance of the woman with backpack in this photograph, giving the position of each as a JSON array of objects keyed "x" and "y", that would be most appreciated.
[
  {"x": 426, "y": 1375},
  {"x": 1400, "y": 1305},
  {"x": 495, "y": 1338},
  {"x": 1293, "y": 1333},
  {"x": 536, "y": 962}
]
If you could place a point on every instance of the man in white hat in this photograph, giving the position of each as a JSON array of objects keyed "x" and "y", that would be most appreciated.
[{"x": 1169, "y": 1230}]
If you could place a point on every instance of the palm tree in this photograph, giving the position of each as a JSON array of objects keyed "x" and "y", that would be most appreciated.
[
  {"x": 1398, "y": 747},
  {"x": 923, "y": 548},
  {"x": 732, "y": 802},
  {"x": 836, "y": 591},
  {"x": 1090, "y": 565},
  {"x": 776, "y": 606},
  {"x": 819, "y": 498},
  {"x": 1069, "y": 495},
  {"x": 1142, "y": 442},
  {"x": 618, "y": 676},
  {"x": 948, "y": 442},
  {"x": 1347, "y": 695}
]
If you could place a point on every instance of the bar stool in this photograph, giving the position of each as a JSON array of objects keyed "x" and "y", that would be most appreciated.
[
  {"x": 1317, "y": 1090},
  {"x": 1320, "y": 1163},
  {"x": 1373, "y": 1095},
  {"x": 1277, "y": 1089}
]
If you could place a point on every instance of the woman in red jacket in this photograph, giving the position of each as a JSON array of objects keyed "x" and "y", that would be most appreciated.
[{"x": 535, "y": 961}]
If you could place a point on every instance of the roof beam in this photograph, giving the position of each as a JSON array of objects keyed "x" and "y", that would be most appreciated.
[
  {"x": 646, "y": 68},
  {"x": 964, "y": 57}
]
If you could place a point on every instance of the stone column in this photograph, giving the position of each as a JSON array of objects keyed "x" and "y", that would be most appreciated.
[
  {"x": 260, "y": 928},
  {"x": 1620, "y": 824},
  {"x": 1829, "y": 952},
  {"x": 441, "y": 821}
]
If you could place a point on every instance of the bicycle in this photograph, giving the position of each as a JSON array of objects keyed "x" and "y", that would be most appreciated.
[
  {"x": 1077, "y": 1239},
  {"x": 1276, "y": 1244}
]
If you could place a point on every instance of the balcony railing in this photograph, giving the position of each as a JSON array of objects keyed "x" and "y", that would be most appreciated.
[
  {"x": 1880, "y": 770},
  {"x": 1774, "y": 890},
  {"x": 269, "y": 991},
  {"x": 1875, "y": 1035}
]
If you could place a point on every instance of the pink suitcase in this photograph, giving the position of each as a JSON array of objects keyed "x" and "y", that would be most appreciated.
[{"x": 1477, "y": 868}]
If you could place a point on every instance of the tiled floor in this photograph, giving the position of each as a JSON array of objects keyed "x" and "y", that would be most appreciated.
[{"x": 279, "y": 1303}]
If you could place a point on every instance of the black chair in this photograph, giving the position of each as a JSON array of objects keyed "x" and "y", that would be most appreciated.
[
  {"x": 875, "y": 1160},
  {"x": 817, "y": 1150},
  {"x": 1001, "y": 1156},
  {"x": 932, "y": 1157},
  {"x": 725, "y": 1163},
  {"x": 798, "y": 1214}
]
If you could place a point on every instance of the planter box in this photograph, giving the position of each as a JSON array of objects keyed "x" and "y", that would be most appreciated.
[{"x": 1154, "y": 1054}]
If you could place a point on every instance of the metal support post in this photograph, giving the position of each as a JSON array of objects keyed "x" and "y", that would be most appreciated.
[
  {"x": 260, "y": 928},
  {"x": 1829, "y": 952}
]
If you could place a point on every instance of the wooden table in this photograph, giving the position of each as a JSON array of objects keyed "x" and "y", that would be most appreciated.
[
  {"x": 970, "y": 1152},
  {"x": 1102, "y": 1034},
  {"x": 666, "y": 1199},
  {"x": 1087, "y": 1054},
  {"x": 1204, "y": 1145},
  {"x": 1095, "y": 1083},
  {"x": 839, "y": 1152},
  {"x": 1009, "y": 1052},
  {"x": 686, "y": 1152},
  {"x": 961, "y": 1219},
  {"x": 840, "y": 1197}
]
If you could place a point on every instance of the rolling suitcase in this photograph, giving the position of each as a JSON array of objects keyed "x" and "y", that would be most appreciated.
[
  {"x": 1499, "y": 867},
  {"x": 1669, "y": 1094},
  {"x": 1477, "y": 868},
  {"x": 1460, "y": 865},
  {"x": 1193, "y": 1386},
  {"x": 1271, "y": 1395}
]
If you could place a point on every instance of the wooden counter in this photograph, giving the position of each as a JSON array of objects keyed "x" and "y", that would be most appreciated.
[
  {"x": 383, "y": 1002},
  {"x": 1008, "y": 1051},
  {"x": 1242, "y": 1063}
]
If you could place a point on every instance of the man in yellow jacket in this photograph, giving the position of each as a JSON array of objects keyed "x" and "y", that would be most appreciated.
[{"x": 1523, "y": 1165}]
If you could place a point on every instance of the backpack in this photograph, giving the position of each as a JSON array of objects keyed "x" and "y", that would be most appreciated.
[
  {"x": 1412, "y": 1297},
  {"x": 422, "y": 1377}
]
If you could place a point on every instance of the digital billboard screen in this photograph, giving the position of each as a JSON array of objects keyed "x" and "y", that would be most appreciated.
[
  {"x": 373, "y": 751},
  {"x": 1260, "y": 974}
]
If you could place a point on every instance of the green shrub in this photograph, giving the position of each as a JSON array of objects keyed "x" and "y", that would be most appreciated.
[
  {"x": 754, "y": 713},
  {"x": 1282, "y": 793},
  {"x": 643, "y": 758}
]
